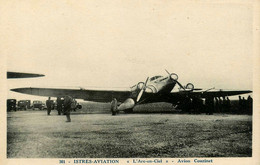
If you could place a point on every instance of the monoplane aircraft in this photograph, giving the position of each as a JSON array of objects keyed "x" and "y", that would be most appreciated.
[{"x": 154, "y": 89}]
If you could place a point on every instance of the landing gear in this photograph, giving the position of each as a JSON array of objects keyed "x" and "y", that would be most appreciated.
[
  {"x": 114, "y": 107},
  {"x": 129, "y": 110}
]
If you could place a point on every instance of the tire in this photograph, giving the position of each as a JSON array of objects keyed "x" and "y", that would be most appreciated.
[
  {"x": 79, "y": 106},
  {"x": 129, "y": 110}
]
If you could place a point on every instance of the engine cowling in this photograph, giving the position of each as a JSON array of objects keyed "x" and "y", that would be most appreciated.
[
  {"x": 174, "y": 76},
  {"x": 127, "y": 104},
  {"x": 189, "y": 86},
  {"x": 140, "y": 85}
]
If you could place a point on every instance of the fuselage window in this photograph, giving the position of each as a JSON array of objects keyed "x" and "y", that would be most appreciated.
[{"x": 154, "y": 78}]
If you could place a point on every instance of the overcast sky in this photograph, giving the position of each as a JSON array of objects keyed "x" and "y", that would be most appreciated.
[{"x": 114, "y": 44}]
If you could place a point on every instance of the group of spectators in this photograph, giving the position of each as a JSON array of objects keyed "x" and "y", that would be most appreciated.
[
  {"x": 245, "y": 105},
  {"x": 211, "y": 105},
  {"x": 63, "y": 105}
]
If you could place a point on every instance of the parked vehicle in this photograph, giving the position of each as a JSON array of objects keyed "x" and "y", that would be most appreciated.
[
  {"x": 38, "y": 104},
  {"x": 24, "y": 104},
  {"x": 11, "y": 104}
]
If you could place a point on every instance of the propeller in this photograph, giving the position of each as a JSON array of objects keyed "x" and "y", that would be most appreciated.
[
  {"x": 168, "y": 72},
  {"x": 175, "y": 79},
  {"x": 180, "y": 85},
  {"x": 142, "y": 90}
]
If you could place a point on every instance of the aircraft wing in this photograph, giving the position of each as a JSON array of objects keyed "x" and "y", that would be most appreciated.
[
  {"x": 97, "y": 95},
  {"x": 105, "y": 95},
  {"x": 22, "y": 75},
  {"x": 210, "y": 93}
]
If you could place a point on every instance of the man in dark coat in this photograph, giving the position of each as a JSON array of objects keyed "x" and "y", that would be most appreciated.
[
  {"x": 240, "y": 104},
  {"x": 59, "y": 105},
  {"x": 216, "y": 104},
  {"x": 67, "y": 107},
  {"x": 48, "y": 104},
  {"x": 250, "y": 104},
  {"x": 228, "y": 105},
  {"x": 220, "y": 104}
]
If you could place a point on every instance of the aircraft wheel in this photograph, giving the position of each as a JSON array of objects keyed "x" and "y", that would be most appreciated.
[
  {"x": 129, "y": 110},
  {"x": 114, "y": 107},
  {"x": 79, "y": 106}
]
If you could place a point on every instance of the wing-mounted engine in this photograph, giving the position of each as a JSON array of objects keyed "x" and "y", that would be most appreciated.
[
  {"x": 174, "y": 76},
  {"x": 189, "y": 87}
]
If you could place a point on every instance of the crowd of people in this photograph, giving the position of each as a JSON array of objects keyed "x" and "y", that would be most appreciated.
[
  {"x": 211, "y": 105},
  {"x": 245, "y": 105},
  {"x": 64, "y": 105}
]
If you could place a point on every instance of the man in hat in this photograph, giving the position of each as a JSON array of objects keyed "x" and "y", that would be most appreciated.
[
  {"x": 49, "y": 104},
  {"x": 59, "y": 105},
  {"x": 67, "y": 107}
]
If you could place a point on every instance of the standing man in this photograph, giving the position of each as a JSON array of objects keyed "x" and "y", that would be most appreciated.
[
  {"x": 67, "y": 107},
  {"x": 207, "y": 105},
  {"x": 220, "y": 104},
  {"x": 48, "y": 104},
  {"x": 250, "y": 104},
  {"x": 228, "y": 105},
  {"x": 187, "y": 104},
  {"x": 211, "y": 105},
  {"x": 239, "y": 104},
  {"x": 216, "y": 105},
  {"x": 224, "y": 104},
  {"x": 243, "y": 104},
  {"x": 59, "y": 105}
]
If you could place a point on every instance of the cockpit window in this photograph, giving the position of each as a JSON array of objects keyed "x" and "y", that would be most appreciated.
[{"x": 155, "y": 77}]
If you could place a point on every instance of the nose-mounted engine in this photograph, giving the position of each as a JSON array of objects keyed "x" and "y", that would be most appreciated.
[
  {"x": 139, "y": 86},
  {"x": 130, "y": 103}
]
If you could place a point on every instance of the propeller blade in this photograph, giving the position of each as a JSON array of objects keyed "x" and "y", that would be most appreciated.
[
  {"x": 180, "y": 85},
  {"x": 139, "y": 95},
  {"x": 142, "y": 91},
  {"x": 176, "y": 81},
  {"x": 168, "y": 72},
  {"x": 146, "y": 82}
]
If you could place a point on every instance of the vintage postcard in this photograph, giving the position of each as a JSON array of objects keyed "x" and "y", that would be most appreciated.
[{"x": 130, "y": 82}]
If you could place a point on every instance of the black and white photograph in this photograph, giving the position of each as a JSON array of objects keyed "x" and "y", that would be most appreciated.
[{"x": 129, "y": 82}]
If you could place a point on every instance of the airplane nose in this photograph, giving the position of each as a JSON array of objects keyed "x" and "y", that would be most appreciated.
[
  {"x": 151, "y": 89},
  {"x": 148, "y": 90}
]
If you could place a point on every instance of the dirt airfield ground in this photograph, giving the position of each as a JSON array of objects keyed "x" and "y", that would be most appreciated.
[{"x": 153, "y": 131}]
